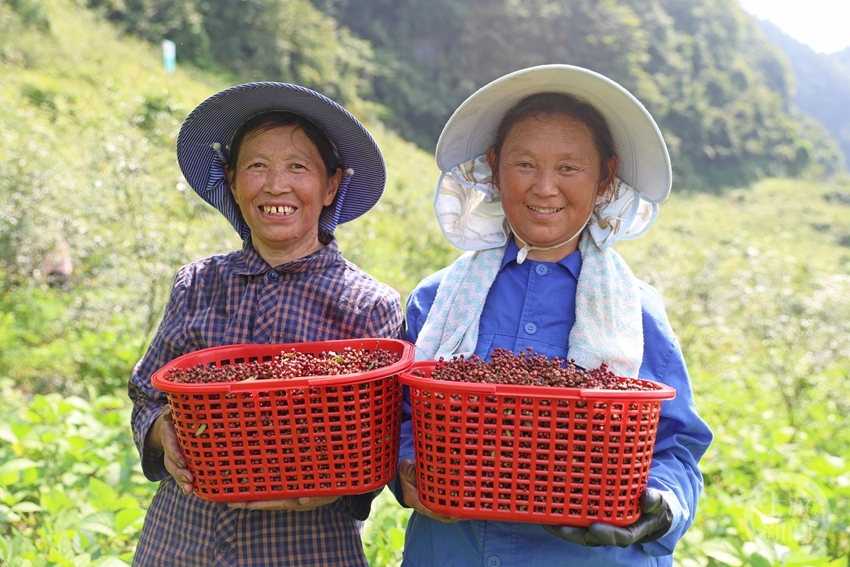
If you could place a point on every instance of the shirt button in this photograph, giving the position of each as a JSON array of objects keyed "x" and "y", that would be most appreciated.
[
  {"x": 530, "y": 328},
  {"x": 223, "y": 547},
  {"x": 493, "y": 561},
  {"x": 273, "y": 276},
  {"x": 541, "y": 270}
]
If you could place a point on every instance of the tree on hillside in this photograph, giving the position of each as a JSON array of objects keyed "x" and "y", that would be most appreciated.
[
  {"x": 718, "y": 89},
  {"x": 822, "y": 86},
  {"x": 421, "y": 78},
  {"x": 255, "y": 40},
  {"x": 727, "y": 94}
]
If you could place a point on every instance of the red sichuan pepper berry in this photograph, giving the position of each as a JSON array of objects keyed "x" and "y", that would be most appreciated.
[
  {"x": 530, "y": 369},
  {"x": 290, "y": 364}
]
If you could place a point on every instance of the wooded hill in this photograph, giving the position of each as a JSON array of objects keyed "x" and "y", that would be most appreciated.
[
  {"x": 822, "y": 83},
  {"x": 719, "y": 90}
]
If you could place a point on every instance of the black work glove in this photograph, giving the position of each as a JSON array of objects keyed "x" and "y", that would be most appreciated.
[{"x": 655, "y": 520}]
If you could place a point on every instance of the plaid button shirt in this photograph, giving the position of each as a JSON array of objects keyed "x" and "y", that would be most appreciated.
[{"x": 238, "y": 298}]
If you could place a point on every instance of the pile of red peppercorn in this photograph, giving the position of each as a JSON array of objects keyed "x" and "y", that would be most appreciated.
[
  {"x": 530, "y": 369},
  {"x": 290, "y": 364}
]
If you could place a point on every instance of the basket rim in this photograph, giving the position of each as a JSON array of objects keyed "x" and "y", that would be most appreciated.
[
  {"x": 660, "y": 392},
  {"x": 248, "y": 350}
]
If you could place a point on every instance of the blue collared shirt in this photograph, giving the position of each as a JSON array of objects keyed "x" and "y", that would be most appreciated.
[{"x": 533, "y": 304}]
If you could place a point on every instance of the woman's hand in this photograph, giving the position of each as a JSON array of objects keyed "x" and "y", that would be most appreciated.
[
  {"x": 164, "y": 437},
  {"x": 654, "y": 522},
  {"x": 294, "y": 504},
  {"x": 407, "y": 474}
]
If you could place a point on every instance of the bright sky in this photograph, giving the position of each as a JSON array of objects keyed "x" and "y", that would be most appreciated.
[{"x": 823, "y": 25}]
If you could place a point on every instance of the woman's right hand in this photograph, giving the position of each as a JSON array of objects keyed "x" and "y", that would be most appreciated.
[
  {"x": 407, "y": 474},
  {"x": 165, "y": 436}
]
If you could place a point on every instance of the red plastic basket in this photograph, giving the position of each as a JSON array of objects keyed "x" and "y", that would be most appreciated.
[
  {"x": 288, "y": 438},
  {"x": 564, "y": 456}
]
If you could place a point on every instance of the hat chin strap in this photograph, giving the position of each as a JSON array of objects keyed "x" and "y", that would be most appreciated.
[{"x": 526, "y": 248}]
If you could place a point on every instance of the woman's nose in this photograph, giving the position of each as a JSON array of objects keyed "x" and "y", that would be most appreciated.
[
  {"x": 278, "y": 181},
  {"x": 546, "y": 183}
]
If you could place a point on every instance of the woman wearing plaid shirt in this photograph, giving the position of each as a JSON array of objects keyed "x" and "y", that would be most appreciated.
[{"x": 284, "y": 165}]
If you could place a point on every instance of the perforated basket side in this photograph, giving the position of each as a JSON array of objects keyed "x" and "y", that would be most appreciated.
[
  {"x": 288, "y": 443},
  {"x": 316, "y": 436},
  {"x": 538, "y": 455}
]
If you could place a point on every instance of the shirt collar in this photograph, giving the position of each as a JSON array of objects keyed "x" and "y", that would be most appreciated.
[
  {"x": 572, "y": 262},
  {"x": 252, "y": 264}
]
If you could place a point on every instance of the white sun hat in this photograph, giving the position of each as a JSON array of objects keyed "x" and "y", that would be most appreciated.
[{"x": 466, "y": 201}]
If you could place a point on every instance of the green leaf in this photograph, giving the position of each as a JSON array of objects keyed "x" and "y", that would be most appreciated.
[
  {"x": 129, "y": 517},
  {"x": 66, "y": 548},
  {"x": 66, "y": 520},
  {"x": 396, "y": 537},
  {"x": 757, "y": 560},
  {"x": 110, "y": 561},
  {"x": 101, "y": 495},
  {"x": 56, "y": 557},
  {"x": 7, "y": 435},
  {"x": 201, "y": 429},
  {"x": 16, "y": 465},
  {"x": 102, "y": 522},
  {"x": 826, "y": 465},
  {"x": 55, "y": 500},
  {"x": 26, "y": 507},
  {"x": 722, "y": 550},
  {"x": 801, "y": 559},
  {"x": 125, "y": 502},
  {"x": 29, "y": 477},
  {"x": 111, "y": 474},
  {"x": 6, "y": 514}
]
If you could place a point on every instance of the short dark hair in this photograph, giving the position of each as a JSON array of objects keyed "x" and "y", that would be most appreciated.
[
  {"x": 562, "y": 104},
  {"x": 275, "y": 118}
]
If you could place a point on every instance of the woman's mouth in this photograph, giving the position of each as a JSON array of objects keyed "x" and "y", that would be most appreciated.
[
  {"x": 544, "y": 211},
  {"x": 277, "y": 210}
]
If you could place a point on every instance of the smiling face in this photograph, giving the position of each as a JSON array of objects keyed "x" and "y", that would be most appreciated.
[
  {"x": 281, "y": 186},
  {"x": 549, "y": 173}
]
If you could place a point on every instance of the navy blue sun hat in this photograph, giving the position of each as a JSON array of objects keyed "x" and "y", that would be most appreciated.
[{"x": 206, "y": 132}]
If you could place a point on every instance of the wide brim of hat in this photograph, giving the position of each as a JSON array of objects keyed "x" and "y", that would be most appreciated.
[
  {"x": 644, "y": 162},
  {"x": 217, "y": 118}
]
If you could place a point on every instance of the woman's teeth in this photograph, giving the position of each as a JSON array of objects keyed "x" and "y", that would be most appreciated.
[
  {"x": 274, "y": 210},
  {"x": 544, "y": 211}
]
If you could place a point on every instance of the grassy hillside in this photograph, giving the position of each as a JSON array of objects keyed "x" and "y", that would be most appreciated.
[
  {"x": 756, "y": 281},
  {"x": 89, "y": 123}
]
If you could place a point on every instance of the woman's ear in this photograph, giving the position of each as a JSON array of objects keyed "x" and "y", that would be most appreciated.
[
  {"x": 608, "y": 175},
  {"x": 229, "y": 175},
  {"x": 493, "y": 162},
  {"x": 332, "y": 187}
]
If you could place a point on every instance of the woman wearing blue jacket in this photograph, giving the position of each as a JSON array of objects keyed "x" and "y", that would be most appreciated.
[{"x": 543, "y": 170}]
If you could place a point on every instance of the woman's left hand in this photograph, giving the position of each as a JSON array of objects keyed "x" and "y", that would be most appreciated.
[
  {"x": 294, "y": 504},
  {"x": 407, "y": 474},
  {"x": 655, "y": 520}
]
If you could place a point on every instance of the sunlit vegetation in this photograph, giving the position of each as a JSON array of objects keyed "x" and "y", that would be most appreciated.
[{"x": 756, "y": 281}]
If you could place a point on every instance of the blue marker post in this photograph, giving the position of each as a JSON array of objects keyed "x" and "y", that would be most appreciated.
[{"x": 169, "y": 55}]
